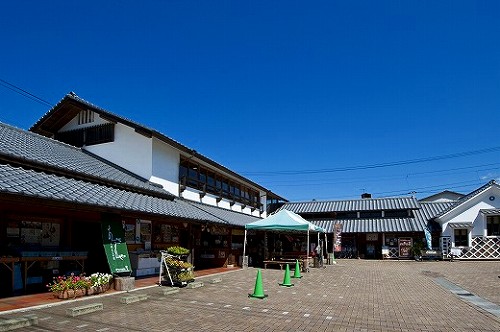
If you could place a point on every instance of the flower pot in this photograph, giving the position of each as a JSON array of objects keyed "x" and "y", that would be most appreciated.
[
  {"x": 74, "y": 293},
  {"x": 61, "y": 294},
  {"x": 105, "y": 287}
]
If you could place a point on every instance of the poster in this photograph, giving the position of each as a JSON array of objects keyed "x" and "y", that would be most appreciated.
[
  {"x": 51, "y": 234},
  {"x": 337, "y": 237},
  {"x": 404, "y": 247},
  {"x": 113, "y": 238}
]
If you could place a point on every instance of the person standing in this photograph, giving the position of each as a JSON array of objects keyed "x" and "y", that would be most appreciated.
[{"x": 319, "y": 254}]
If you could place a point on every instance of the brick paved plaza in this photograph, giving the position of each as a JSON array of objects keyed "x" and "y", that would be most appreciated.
[{"x": 353, "y": 295}]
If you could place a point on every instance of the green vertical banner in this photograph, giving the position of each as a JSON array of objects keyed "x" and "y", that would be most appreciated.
[{"x": 113, "y": 238}]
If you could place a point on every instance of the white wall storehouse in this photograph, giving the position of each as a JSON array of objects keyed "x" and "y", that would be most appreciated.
[
  {"x": 153, "y": 156},
  {"x": 471, "y": 227}
]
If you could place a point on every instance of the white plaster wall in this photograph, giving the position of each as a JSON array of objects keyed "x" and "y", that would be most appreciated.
[
  {"x": 165, "y": 166},
  {"x": 191, "y": 194},
  {"x": 130, "y": 150},
  {"x": 194, "y": 195},
  {"x": 470, "y": 213},
  {"x": 154, "y": 160},
  {"x": 209, "y": 199}
]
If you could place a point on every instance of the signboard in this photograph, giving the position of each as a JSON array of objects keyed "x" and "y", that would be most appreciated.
[
  {"x": 113, "y": 239},
  {"x": 337, "y": 237},
  {"x": 404, "y": 247}
]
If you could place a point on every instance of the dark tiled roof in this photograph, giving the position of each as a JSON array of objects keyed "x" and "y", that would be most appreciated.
[
  {"x": 60, "y": 172},
  {"x": 19, "y": 181},
  {"x": 368, "y": 204},
  {"x": 24, "y": 147},
  {"x": 229, "y": 216},
  {"x": 428, "y": 211},
  {"x": 39, "y": 126},
  {"x": 490, "y": 212},
  {"x": 373, "y": 225},
  {"x": 421, "y": 220},
  {"x": 468, "y": 197}
]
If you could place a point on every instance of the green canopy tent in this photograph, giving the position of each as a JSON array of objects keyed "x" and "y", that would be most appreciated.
[{"x": 282, "y": 220}]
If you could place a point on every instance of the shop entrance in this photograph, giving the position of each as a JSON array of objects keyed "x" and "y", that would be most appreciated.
[
  {"x": 89, "y": 239},
  {"x": 370, "y": 246}
]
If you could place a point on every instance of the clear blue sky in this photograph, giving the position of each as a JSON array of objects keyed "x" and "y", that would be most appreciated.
[{"x": 271, "y": 89}]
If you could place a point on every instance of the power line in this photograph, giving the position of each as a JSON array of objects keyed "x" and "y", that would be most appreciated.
[
  {"x": 372, "y": 166},
  {"x": 24, "y": 93},
  {"x": 419, "y": 190},
  {"x": 379, "y": 178}
]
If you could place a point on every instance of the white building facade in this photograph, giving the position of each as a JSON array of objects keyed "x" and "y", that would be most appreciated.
[
  {"x": 471, "y": 227},
  {"x": 153, "y": 156}
]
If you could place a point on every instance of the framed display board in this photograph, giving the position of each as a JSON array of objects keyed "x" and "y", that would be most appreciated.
[{"x": 405, "y": 246}]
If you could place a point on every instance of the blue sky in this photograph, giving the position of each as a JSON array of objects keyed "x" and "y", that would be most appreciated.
[{"x": 312, "y": 100}]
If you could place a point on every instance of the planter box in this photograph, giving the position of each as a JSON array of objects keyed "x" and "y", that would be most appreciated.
[
  {"x": 124, "y": 283},
  {"x": 98, "y": 289},
  {"x": 70, "y": 294}
]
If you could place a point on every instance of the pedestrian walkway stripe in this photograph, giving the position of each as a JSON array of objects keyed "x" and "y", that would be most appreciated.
[{"x": 466, "y": 296}]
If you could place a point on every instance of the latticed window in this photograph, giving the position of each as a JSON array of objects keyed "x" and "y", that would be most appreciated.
[
  {"x": 104, "y": 133},
  {"x": 85, "y": 116},
  {"x": 194, "y": 175},
  {"x": 493, "y": 226},
  {"x": 461, "y": 238}
]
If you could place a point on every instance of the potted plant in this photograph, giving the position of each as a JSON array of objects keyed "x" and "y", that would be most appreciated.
[
  {"x": 181, "y": 252},
  {"x": 71, "y": 286},
  {"x": 99, "y": 283},
  {"x": 416, "y": 250}
]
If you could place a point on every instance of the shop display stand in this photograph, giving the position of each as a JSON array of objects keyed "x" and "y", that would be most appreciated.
[{"x": 174, "y": 271}]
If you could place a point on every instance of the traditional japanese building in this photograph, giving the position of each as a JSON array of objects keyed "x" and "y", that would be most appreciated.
[
  {"x": 144, "y": 151},
  {"x": 54, "y": 199},
  {"x": 467, "y": 226}
]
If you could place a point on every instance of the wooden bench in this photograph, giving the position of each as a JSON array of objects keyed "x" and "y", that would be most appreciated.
[{"x": 282, "y": 262}]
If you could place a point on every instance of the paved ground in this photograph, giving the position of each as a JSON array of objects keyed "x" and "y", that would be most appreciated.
[{"x": 354, "y": 295}]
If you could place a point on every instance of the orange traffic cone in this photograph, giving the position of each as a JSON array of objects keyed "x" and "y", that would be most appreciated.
[
  {"x": 259, "y": 289},
  {"x": 286, "y": 279}
]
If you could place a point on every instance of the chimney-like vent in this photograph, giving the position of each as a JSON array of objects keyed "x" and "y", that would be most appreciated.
[{"x": 366, "y": 195}]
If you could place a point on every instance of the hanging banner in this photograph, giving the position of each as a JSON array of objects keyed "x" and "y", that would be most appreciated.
[
  {"x": 113, "y": 239},
  {"x": 337, "y": 237}
]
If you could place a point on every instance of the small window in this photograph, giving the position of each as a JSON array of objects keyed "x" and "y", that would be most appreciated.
[
  {"x": 461, "y": 238},
  {"x": 370, "y": 214},
  {"x": 211, "y": 181},
  {"x": 493, "y": 226},
  {"x": 86, "y": 116}
]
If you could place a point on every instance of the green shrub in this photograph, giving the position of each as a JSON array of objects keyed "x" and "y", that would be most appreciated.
[{"x": 176, "y": 250}]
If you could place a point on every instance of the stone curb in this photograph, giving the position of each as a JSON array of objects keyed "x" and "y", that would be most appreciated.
[
  {"x": 13, "y": 324},
  {"x": 84, "y": 309}
]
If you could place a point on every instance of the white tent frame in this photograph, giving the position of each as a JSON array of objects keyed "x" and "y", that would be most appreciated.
[{"x": 310, "y": 227}]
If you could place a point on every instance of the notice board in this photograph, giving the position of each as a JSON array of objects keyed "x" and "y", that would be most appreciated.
[{"x": 405, "y": 246}]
